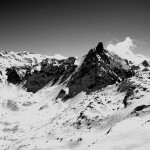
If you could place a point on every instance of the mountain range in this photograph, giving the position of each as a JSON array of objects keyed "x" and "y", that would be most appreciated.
[{"x": 99, "y": 101}]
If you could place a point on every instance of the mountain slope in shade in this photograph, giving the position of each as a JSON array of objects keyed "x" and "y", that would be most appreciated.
[
  {"x": 98, "y": 69},
  {"x": 95, "y": 102},
  {"x": 10, "y": 58}
]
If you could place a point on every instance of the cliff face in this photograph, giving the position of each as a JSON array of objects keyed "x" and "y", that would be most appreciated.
[
  {"x": 54, "y": 71},
  {"x": 98, "y": 69},
  {"x": 36, "y": 77}
]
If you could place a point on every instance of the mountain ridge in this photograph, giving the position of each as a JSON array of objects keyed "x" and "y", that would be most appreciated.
[
  {"x": 104, "y": 63},
  {"x": 97, "y": 101}
]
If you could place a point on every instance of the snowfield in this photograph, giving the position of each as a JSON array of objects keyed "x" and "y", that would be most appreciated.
[{"x": 98, "y": 121}]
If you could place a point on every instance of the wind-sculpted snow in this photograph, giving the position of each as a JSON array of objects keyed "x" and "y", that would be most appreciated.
[{"x": 68, "y": 108}]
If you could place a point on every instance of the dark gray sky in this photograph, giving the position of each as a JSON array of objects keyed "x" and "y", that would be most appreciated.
[{"x": 72, "y": 27}]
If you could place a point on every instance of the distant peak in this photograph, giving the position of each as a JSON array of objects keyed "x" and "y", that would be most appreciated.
[{"x": 58, "y": 56}]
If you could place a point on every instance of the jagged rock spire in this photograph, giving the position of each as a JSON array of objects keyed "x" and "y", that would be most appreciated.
[{"x": 100, "y": 46}]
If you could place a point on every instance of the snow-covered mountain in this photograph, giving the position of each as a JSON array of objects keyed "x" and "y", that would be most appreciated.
[{"x": 99, "y": 101}]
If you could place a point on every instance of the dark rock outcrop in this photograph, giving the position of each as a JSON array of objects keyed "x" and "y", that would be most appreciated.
[
  {"x": 145, "y": 69},
  {"x": 99, "y": 69},
  {"x": 51, "y": 71},
  {"x": 61, "y": 94},
  {"x": 128, "y": 87},
  {"x": 125, "y": 85},
  {"x": 16, "y": 75},
  {"x": 135, "y": 67},
  {"x": 12, "y": 76},
  {"x": 139, "y": 108},
  {"x": 145, "y": 63}
]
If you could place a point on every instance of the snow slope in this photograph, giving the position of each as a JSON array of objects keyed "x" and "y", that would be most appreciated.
[
  {"x": 96, "y": 121},
  {"x": 10, "y": 58},
  {"x": 115, "y": 117}
]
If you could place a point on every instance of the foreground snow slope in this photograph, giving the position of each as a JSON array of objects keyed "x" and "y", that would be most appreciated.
[
  {"x": 111, "y": 117},
  {"x": 99, "y": 120}
]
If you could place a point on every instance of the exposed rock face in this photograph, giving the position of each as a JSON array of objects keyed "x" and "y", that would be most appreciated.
[
  {"x": 128, "y": 87},
  {"x": 16, "y": 75},
  {"x": 125, "y": 85},
  {"x": 99, "y": 69},
  {"x": 135, "y": 67},
  {"x": 145, "y": 63},
  {"x": 139, "y": 108},
  {"x": 13, "y": 76},
  {"x": 145, "y": 69},
  {"x": 63, "y": 95},
  {"x": 51, "y": 71}
]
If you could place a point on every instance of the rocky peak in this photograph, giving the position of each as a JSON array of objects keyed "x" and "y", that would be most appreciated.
[
  {"x": 100, "y": 47},
  {"x": 145, "y": 63},
  {"x": 98, "y": 50},
  {"x": 97, "y": 55},
  {"x": 98, "y": 69}
]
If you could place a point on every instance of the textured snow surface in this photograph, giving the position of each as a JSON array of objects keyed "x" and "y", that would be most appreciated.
[
  {"x": 10, "y": 58},
  {"x": 98, "y": 121}
]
